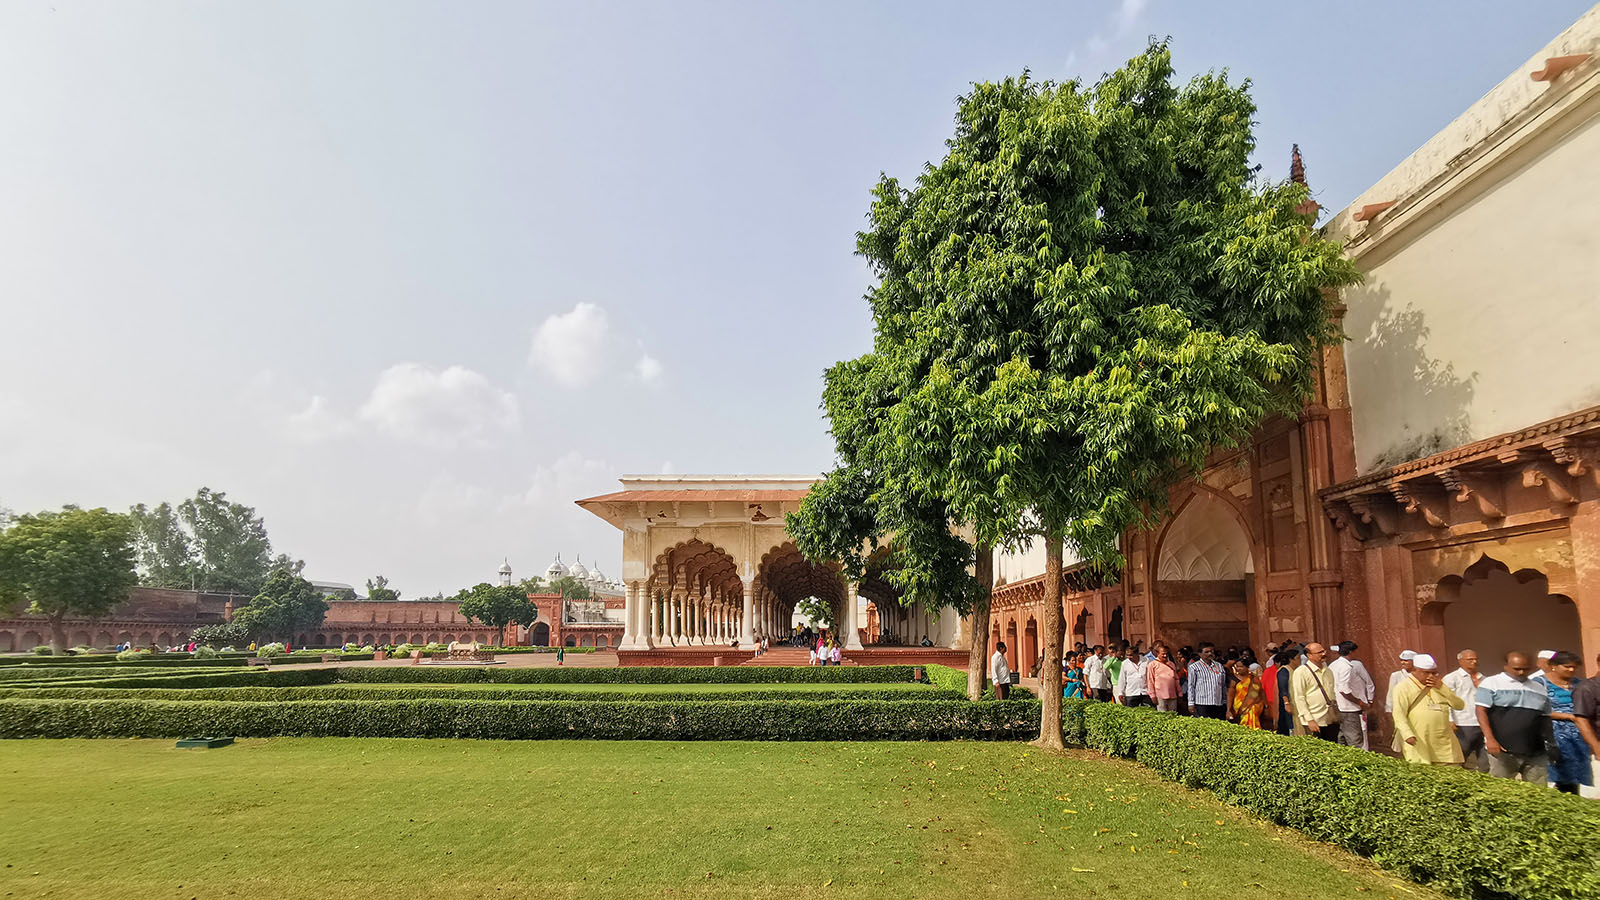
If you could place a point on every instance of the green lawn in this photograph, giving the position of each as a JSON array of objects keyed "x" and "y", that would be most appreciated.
[{"x": 386, "y": 818}]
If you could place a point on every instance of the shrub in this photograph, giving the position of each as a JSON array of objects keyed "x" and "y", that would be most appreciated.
[
  {"x": 42, "y": 650},
  {"x": 228, "y": 634},
  {"x": 630, "y": 675},
  {"x": 622, "y": 694},
  {"x": 133, "y": 653},
  {"x": 1455, "y": 829},
  {"x": 269, "y": 651},
  {"x": 716, "y": 720},
  {"x": 956, "y": 680},
  {"x": 204, "y": 652}
]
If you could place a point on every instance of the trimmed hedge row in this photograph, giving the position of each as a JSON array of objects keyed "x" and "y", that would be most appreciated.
[
  {"x": 629, "y": 675},
  {"x": 258, "y": 694},
  {"x": 196, "y": 680},
  {"x": 854, "y": 720},
  {"x": 950, "y": 679},
  {"x": 1469, "y": 834},
  {"x": 169, "y": 661}
]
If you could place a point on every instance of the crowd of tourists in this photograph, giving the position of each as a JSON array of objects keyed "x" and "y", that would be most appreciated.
[{"x": 1535, "y": 719}]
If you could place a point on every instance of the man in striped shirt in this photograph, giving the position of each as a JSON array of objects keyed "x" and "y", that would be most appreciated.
[
  {"x": 1208, "y": 684},
  {"x": 1514, "y": 713}
]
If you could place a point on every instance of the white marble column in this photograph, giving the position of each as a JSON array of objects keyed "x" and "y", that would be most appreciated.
[
  {"x": 746, "y": 618},
  {"x": 852, "y": 630},
  {"x": 630, "y": 615}
]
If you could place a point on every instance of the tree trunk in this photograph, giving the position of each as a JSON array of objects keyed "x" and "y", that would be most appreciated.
[
  {"x": 978, "y": 655},
  {"x": 58, "y": 635},
  {"x": 1050, "y": 667}
]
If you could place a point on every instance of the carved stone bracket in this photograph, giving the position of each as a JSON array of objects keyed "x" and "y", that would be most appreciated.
[
  {"x": 1381, "y": 516},
  {"x": 1554, "y": 479},
  {"x": 1344, "y": 518},
  {"x": 1414, "y": 499},
  {"x": 1578, "y": 458},
  {"x": 1487, "y": 492}
]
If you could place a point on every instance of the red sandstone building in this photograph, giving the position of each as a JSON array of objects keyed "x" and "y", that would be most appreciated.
[{"x": 1441, "y": 489}]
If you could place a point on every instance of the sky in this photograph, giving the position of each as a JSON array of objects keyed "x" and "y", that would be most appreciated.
[{"x": 409, "y": 278}]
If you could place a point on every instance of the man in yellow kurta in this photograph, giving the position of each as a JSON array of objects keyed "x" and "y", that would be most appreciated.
[{"x": 1422, "y": 707}]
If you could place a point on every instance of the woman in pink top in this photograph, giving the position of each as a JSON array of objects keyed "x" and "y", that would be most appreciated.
[{"x": 1161, "y": 678}]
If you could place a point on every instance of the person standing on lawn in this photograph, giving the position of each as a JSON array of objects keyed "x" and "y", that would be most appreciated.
[
  {"x": 1311, "y": 688},
  {"x": 1463, "y": 682},
  {"x": 1000, "y": 672},
  {"x": 1572, "y": 769},
  {"x": 1208, "y": 688},
  {"x": 1422, "y": 711},
  {"x": 1514, "y": 713},
  {"x": 1246, "y": 700}
]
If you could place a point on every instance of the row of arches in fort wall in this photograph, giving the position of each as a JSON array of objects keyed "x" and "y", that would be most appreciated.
[
  {"x": 23, "y": 637},
  {"x": 330, "y": 639}
]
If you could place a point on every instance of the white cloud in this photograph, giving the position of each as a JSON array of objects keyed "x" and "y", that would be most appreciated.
[
  {"x": 1128, "y": 12},
  {"x": 572, "y": 477},
  {"x": 570, "y": 347},
  {"x": 648, "y": 368},
  {"x": 318, "y": 422},
  {"x": 448, "y": 497},
  {"x": 440, "y": 408}
]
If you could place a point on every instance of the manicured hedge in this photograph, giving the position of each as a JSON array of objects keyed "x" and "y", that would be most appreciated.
[
  {"x": 950, "y": 679},
  {"x": 167, "y": 661},
  {"x": 717, "y": 720},
  {"x": 261, "y": 694},
  {"x": 628, "y": 675},
  {"x": 1467, "y": 833},
  {"x": 224, "y": 679}
]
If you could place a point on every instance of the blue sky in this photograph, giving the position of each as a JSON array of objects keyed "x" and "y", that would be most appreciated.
[{"x": 411, "y": 277}]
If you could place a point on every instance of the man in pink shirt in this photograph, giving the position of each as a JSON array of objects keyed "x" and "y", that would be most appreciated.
[{"x": 1161, "y": 679}]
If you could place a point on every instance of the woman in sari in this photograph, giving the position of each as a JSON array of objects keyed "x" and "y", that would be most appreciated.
[
  {"x": 1246, "y": 701},
  {"x": 1072, "y": 679}
]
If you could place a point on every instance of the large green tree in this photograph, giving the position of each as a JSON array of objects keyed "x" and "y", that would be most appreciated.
[
  {"x": 378, "y": 590},
  {"x": 498, "y": 606},
  {"x": 208, "y": 543},
  {"x": 1084, "y": 298},
  {"x": 286, "y": 605},
  {"x": 76, "y": 562}
]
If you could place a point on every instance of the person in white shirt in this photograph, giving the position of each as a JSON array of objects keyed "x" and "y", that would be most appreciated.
[
  {"x": 1354, "y": 691},
  {"x": 1130, "y": 689},
  {"x": 1000, "y": 672},
  {"x": 1463, "y": 682},
  {"x": 1095, "y": 675},
  {"x": 1406, "y": 656}
]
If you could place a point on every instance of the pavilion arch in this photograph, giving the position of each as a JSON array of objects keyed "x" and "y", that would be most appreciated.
[
  {"x": 785, "y": 578},
  {"x": 1205, "y": 572},
  {"x": 539, "y": 636},
  {"x": 1493, "y": 610},
  {"x": 103, "y": 639},
  {"x": 694, "y": 595}
]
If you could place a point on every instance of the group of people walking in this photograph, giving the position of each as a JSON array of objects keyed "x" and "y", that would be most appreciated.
[{"x": 1536, "y": 719}]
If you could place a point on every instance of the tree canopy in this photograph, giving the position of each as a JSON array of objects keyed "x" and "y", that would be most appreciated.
[
  {"x": 378, "y": 589},
  {"x": 286, "y": 605},
  {"x": 498, "y": 606},
  {"x": 75, "y": 562},
  {"x": 568, "y": 587},
  {"x": 1085, "y": 297},
  {"x": 207, "y": 543}
]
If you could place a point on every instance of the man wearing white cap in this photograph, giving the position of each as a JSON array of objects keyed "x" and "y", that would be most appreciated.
[
  {"x": 1544, "y": 665},
  {"x": 1422, "y": 705},
  {"x": 1406, "y": 656}
]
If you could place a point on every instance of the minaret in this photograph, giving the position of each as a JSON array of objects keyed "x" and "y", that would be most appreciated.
[
  {"x": 1297, "y": 174},
  {"x": 505, "y": 573}
]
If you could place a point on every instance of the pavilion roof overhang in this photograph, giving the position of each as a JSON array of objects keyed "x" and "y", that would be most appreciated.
[
  {"x": 1434, "y": 492},
  {"x": 618, "y": 506}
]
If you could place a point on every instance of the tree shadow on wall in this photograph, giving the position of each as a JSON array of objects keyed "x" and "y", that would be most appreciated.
[{"x": 1426, "y": 396}]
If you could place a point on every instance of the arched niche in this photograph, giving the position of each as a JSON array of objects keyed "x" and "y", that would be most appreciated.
[
  {"x": 1205, "y": 574},
  {"x": 1493, "y": 610}
]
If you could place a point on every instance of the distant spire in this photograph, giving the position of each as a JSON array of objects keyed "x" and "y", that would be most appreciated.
[{"x": 1297, "y": 174}]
